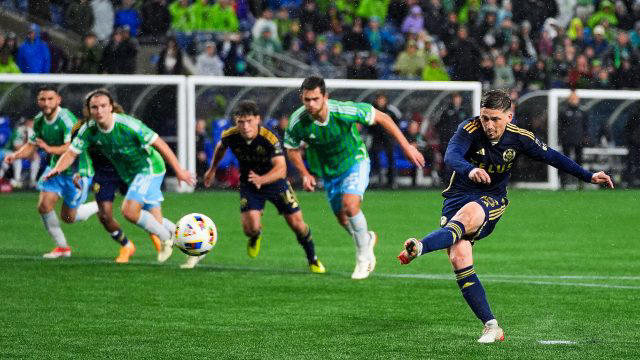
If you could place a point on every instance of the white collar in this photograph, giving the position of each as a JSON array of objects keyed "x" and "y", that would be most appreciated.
[{"x": 53, "y": 118}]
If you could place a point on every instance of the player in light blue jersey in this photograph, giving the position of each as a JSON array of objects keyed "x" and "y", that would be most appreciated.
[
  {"x": 52, "y": 133},
  {"x": 336, "y": 152},
  {"x": 137, "y": 153}
]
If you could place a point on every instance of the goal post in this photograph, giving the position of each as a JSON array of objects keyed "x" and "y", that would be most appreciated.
[
  {"x": 140, "y": 95},
  {"x": 620, "y": 100},
  {"x": 214, "y": 97}
]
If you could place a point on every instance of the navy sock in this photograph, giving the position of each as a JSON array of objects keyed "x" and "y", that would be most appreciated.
[
  {"x": 473, "y": 293},
  {"x": 444, "y": 237},
  {"x": 307, "y": 244},
  {"x": 254, "y": 238},
  {"x": 120, "y": 237}
]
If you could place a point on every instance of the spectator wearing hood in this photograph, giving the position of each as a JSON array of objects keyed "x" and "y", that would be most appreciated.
[
  {"x": 104, "y": 18},
  {"x": 414, "y": 22},
  {"x": 79, "y": 17},
  {"x": 606, "y": 13},
  {"x": 7, "y": 65},
  {"x": 33, "y": 55}
]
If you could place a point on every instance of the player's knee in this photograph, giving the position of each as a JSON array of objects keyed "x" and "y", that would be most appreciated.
[
  {"x": 130, "y": 214},
  {"x": 103, "y": 217},
  {"x": 68, "y": 218},
  {"x": 44, "y": 208},
  {"x": 458, "y": 260},
  {"x": 251, "y": 230},
  {"x": 350, "y": 208}
]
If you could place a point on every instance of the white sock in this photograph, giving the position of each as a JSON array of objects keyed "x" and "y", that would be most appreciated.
[
  {"x": 168, "y": 225},
  {"x": 152, "y": 226},
  {"x": 349, "y": 228},
  {"x": 85, "y": 211},
  {"x": 17, "y": 170},
  {"x": 52, "y": 225},
  {"x": 360, "y": 235},
  {"x": 35, "y": 166},
  {"x": 3, "y": 168},
  {"x": 492, "y": 322}
]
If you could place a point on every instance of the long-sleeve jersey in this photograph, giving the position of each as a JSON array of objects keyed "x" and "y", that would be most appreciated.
[{"x": 469, "y": 148}]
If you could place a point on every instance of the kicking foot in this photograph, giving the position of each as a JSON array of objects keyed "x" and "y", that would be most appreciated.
[
  {"x": 125, "y": 253},
  {"x": 58, "y": 252},
  {"x": 191, "y": 262},
  {"x": 491, "y": 333},
  {"x": 166, "y": 250},
  {"x": 412, "y": 249},
  {"x": 317, "y": 267}
]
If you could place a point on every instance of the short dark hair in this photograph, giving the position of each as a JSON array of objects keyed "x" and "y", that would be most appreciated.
[
  {"x": 496, "y": 100},
  {"x": 313, "y": 82},
  {"x": 46, "y": 87},
  {"x": 246, "y": 108}
]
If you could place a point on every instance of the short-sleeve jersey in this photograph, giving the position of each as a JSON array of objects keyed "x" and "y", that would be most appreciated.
[
  {"x": 58, "y": 132},
  {"x": 469, "y": 148},
  {"x": 335, "y": 145},
  {"x": 254, "y": 155},
  {"x": 127, "y": 145}
]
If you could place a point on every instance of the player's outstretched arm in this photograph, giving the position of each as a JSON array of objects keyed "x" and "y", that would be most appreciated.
[
  {"x": 308, "y": 181},
  {"x": 53, "y": 150},
  {"x": 218, "y": 154},
  {"x": 170, "y": 157},
  {"x": 25, "y": 151},
  {"x": 392, "y": 129},
  {"x": 279, "y": 171},
  {"x": 601, "y": 178},
  {"x": 63, "y": 164}
]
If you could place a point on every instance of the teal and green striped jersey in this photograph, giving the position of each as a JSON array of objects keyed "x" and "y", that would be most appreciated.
[
  {"x": 335, "y": 145},
  {"x": 127, "y": 145},
  {"x": 58, "y": 132}
]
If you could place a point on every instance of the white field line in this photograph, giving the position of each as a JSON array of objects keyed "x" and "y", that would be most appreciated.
[{"x": 500, "y": 278}]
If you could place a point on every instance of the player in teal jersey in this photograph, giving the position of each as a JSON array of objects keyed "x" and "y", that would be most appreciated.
[
  {"x": 137, "y": 153},
  {"x": 336, "y": 153},
  {"x": 52, "y": 133}
]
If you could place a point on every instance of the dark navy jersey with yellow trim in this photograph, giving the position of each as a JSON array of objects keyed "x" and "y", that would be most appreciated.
[
  {"x": 470, "y": 148},
  {"x": 254, "y": 155}
]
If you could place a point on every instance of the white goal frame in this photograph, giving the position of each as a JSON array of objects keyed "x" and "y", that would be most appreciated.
[
  {"x": 193, "y": 81},
  {"x": 178, "y": 80},
  {"x": 553, "y": 101}
]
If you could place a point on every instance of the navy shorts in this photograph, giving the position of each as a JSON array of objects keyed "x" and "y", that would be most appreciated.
[
  {"x": 279, "y": 194},
  {"x": 105, "y": 185},
  {"x": 493, "y": 206}
]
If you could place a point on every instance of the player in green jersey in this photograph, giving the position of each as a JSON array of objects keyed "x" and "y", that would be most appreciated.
[
  {"x": 336, "y": 153},
  {"x": 52, "y": 133},
  {"x": 137, "y": 153}
]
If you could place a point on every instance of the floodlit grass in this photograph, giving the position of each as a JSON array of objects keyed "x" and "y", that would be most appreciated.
[{"x": 559, "y": 266}]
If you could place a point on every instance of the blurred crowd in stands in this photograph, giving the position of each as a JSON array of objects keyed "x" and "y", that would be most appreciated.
[{"x": 521, "y": 44}]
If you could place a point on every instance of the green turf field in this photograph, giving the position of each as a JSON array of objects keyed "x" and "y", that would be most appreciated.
[{"x": 561, "y": 266}]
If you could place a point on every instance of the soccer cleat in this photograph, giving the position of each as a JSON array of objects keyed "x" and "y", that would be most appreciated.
[
  {"x": 125, "y": 253},
  {"x": 317, "y": 267},
  {"x": 491, "y": 333},
  {"x": 372, "y": 255},
  {"x": 58, "y": 252},
  {"x": 253, "y": 247},
  {"x": 156, "y": 242},
  {"x": 412, "y": 249},
  {"x": 361, "y": 271},
  {"x": 165, "y": 250},
  {"x": 191, "y": 262}
]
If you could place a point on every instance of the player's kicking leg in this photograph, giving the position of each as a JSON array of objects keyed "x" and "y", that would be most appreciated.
[{"x": 365, "y": 240}]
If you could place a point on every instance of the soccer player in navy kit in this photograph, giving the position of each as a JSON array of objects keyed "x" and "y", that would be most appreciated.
[
  {"x": 482, "y": 153},
  {"x": 263, "y": 172}
]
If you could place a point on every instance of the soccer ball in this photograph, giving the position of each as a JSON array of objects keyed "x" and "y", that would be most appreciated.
[{"x": 195, "y": 234}]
